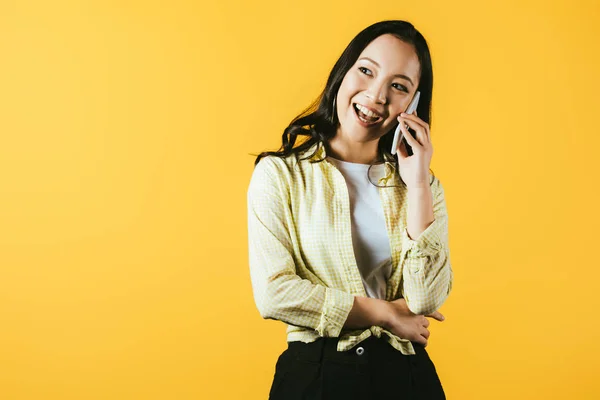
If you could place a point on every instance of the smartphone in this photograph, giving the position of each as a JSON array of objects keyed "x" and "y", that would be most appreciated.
[{"x": 409, "y": 110}]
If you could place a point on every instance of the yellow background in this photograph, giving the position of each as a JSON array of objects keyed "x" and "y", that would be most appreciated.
[{"x": 126, "y": 133}]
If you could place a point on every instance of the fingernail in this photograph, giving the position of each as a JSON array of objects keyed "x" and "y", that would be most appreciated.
[{"x": 403, "y": 114}]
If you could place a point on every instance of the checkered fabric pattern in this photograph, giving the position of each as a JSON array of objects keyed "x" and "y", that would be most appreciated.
[{"x": 302, "y": 264}]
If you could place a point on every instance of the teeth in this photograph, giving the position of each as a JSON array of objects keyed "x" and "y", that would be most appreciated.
[{"x": 366, "y": 111}]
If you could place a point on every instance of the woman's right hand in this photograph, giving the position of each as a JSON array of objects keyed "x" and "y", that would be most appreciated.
[{"x": 406, "y": 325}]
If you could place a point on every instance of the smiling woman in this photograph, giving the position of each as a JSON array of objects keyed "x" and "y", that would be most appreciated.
[
  {"x": 379, "y": 71},
  {"x": 352, "y": 269},
  {"x": 376, "y": 90}
]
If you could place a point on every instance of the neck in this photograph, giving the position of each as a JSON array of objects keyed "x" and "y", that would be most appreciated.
[{"x": 354, "y": 152}]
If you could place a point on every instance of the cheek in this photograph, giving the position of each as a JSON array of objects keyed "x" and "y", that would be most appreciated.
[
  {"x": 355, "y": 83},
  {"x": 351, "y": 85},
  {"x": 399, "y": 107}
]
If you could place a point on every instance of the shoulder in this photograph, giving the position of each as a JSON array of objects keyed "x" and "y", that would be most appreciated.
[
  {"x": 272, "y": 174},
  {"x": 273, "y": 166},
  {"x": 290, "y": 165}
]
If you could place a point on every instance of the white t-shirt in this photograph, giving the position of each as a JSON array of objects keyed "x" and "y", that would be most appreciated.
[{"x": 369, "y": 233}]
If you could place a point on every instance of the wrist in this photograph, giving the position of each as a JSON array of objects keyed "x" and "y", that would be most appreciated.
[{"x": 382, "y": 314}]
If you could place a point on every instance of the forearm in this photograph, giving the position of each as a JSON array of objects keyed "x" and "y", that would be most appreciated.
[
  {"x": 426, "y": 270},
  {"x": 427, "y": 282},
  {"x": 420, "y": 210},
  {"x": 296, "y": 301},
  {"x": 367, "y": 312}
]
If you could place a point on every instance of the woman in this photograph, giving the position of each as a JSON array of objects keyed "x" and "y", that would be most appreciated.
[{"x": 348, "y": 244}]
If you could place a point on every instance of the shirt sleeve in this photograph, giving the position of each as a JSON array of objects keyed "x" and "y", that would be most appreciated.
[
  {"x": 279, "y": 292},
  {"x": 426, "y": 270}
]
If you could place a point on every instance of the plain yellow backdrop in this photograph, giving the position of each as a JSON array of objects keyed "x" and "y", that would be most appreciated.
[{"x": 127, "y": 129}]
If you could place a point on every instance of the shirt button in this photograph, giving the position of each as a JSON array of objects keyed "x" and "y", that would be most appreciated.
[{"x": 360, "y": 351}]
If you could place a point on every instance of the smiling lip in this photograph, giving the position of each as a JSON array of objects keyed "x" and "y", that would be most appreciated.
[
  {"x": 374, "y": 111},
  {"x": 363, "y": 123}
]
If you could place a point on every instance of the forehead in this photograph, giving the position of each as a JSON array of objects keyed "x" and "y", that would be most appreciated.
[{"x": 393, "y": 55}]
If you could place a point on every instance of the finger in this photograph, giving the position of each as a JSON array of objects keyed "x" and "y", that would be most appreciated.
[
  {"x": 402, "y": 150},
  {"x": 417, "y": 127},
  {"x": 426, "y": 323},
  {"x": 414, "y": 117},
  {"x": 412, "y": 142},
  {"x": 436, "y": 315},
  {"x": 425, "y": 333}
]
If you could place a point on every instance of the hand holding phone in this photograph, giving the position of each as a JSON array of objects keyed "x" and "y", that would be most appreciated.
[{"x": 398, "y": 133}]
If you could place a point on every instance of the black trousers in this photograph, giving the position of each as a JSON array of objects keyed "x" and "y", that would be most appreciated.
[{"x": 372, "y": 370}]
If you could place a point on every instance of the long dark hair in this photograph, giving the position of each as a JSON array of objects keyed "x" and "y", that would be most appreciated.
[{"x": 319, "y": 121}]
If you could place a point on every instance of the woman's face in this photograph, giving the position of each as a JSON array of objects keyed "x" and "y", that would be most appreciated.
[{"x": 384, "y": 80}]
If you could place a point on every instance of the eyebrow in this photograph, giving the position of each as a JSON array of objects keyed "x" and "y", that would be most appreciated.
[{"x": 397, "y": 75}]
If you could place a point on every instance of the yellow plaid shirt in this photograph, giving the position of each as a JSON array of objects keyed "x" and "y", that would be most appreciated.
[{"x": 302, "y": 264}]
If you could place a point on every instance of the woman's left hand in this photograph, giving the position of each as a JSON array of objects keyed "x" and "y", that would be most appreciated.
[{"x": 414, "y": 169}]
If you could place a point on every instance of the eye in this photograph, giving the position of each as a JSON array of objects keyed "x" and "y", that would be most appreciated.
[
  {"x": 401, "y": 87},
  {"x": 366, "y": 69}
]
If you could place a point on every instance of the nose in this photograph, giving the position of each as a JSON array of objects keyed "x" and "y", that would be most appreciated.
[{"x": 376, "y": 94}]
